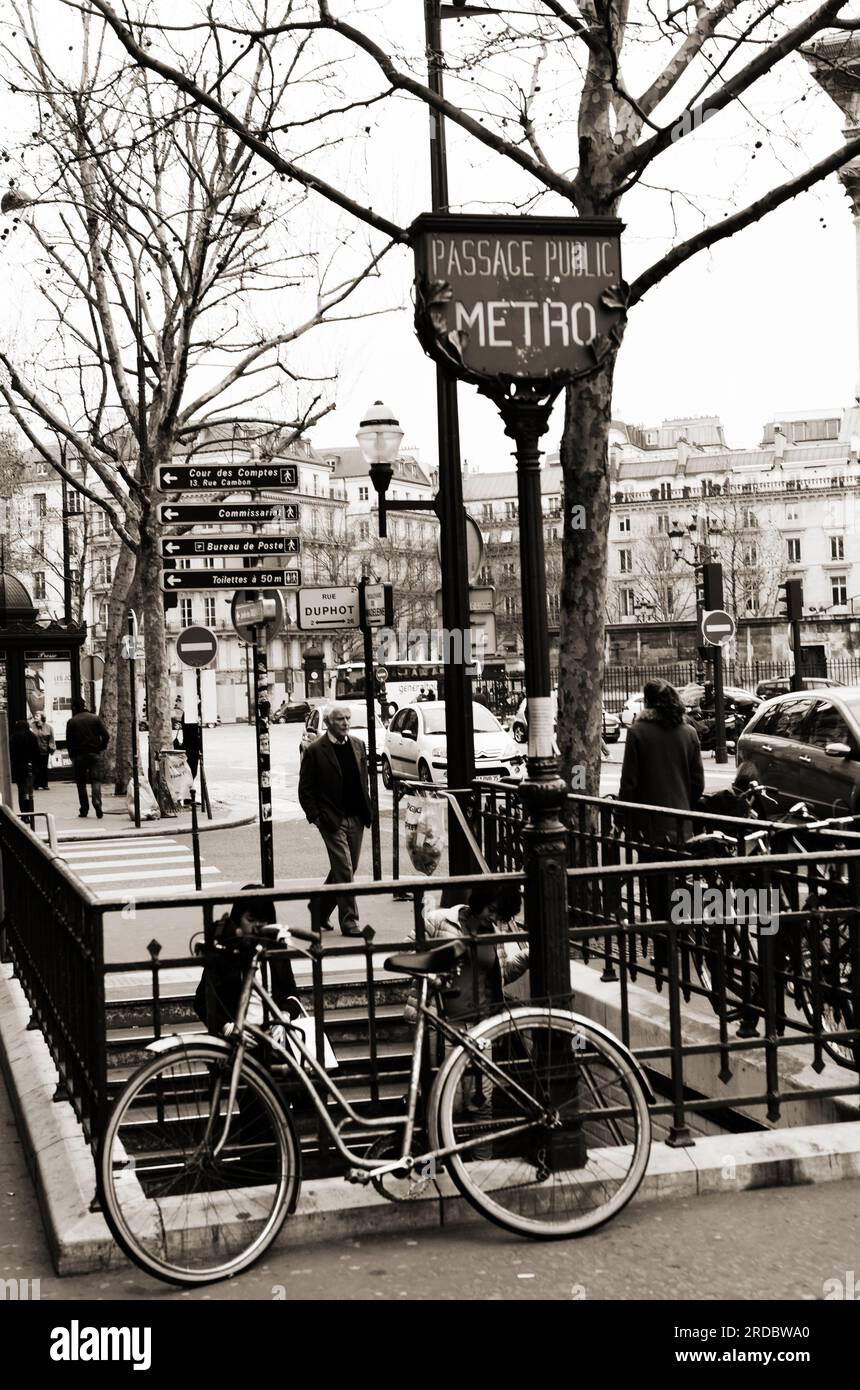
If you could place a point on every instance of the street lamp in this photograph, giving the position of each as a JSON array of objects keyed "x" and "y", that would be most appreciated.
[{"x": 379, "y": 438}]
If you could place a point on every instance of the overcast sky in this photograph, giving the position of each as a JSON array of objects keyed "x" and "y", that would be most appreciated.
[{"x": 764, "y": 323}]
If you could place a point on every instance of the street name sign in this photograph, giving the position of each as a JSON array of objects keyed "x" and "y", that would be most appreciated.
[
  {"x": 174, "y": 580},
  {"x": 329, "y": 608},
  {"x": 375, "y": 605},
  {"x": 196, "y": 646},
  {"x": 718, "y": 627},
  {"x": 511, "y": 298},
  {"x": 230, "y": 545},
  {"x": 205, "y": 513},
  {"x": 220, "y": 476}
]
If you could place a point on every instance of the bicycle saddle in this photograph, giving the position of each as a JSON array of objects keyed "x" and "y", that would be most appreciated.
[{"x": 437, "y": 961}]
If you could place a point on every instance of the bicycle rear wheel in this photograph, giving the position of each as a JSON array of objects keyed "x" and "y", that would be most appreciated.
[
  {"x": 179, "y": 1211},
  {"x": 560, "y": 1133}
]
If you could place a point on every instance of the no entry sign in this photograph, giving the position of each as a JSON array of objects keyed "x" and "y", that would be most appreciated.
[
  {"x": 196, "y": 646},
  {"x": 517, "y": 297},
  {"x": 718, "y": 627}
]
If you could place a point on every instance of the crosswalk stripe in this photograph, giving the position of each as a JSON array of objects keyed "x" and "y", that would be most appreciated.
[
  {"x": 139, "y": 866},
  {"x": 75, "y": 856},
  {"x": 155, "y": 873}
]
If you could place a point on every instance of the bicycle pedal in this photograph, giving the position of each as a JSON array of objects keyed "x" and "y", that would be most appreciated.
[{"x": 358, "y": 1176}]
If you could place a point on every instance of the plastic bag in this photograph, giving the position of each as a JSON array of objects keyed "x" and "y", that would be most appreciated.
[
  {"x": 425, "y": 823},
  {"x": 148, "y": 804}
]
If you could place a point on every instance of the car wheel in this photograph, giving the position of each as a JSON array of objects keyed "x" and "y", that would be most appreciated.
[
  {"x": 519, "y": 732},
  {"x": 424, "y": 773},
  {"x": 387, "y": 775}
]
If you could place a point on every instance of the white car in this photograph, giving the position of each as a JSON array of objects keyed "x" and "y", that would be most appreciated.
[
  {"x": 520, "y": 722},
  {"x": 633, "y": 705},
  {"x": 416, "y": 746},
  {"x": 314, "y": 725}
]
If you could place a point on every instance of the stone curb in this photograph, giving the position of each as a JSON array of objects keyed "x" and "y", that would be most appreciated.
[
  {"x": 61, "y": 1166},
  {"x": 160, "y": 827}
]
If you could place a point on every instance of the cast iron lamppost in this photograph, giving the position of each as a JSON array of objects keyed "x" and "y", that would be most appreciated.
[{"x": 709, "y": 596}]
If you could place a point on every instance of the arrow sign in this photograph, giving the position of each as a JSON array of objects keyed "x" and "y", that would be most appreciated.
[
  {"x": 231, "y": 545},
  {"x": 718, "y": 627},
  {"x": 227, "y": 477},
  {"x": 173, "y": 513},
  {"x": 196, "y": 646},
  {"x": 173, "y": 580}
]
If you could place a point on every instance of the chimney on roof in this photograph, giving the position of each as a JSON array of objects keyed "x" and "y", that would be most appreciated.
[
  {"x": 779, "y": 443},
  {"x": 682, "y": 444}
]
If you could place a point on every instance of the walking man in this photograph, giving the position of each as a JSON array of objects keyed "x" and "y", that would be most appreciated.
[
  {"x": 86, "y": 740},
  {"x": 334, "y": 795},
  {"x": 45, "y": 739}
]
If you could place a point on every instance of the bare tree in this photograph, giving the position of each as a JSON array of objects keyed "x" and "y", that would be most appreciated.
[
  {"x": 155, "y": 243},
  {"x": 664, "y": 586},
  {"x": 578, "y": 102},
  {"x": 749, "y": 547}
]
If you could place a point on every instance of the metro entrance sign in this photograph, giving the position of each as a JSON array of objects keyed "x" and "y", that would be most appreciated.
[
  {"x": 718, "y": 627},
  {"x": 517, "y": 298},
  {"x": 227, "y": 476}
]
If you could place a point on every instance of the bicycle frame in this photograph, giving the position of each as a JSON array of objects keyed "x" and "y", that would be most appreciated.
[{"x": 329, "y": 1088}]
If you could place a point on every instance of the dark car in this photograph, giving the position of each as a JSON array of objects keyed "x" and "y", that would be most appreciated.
[
  {"x": 766, "y": 690},
  {"x": 291, "y": 714},
  {"x": 806, "y": 747}
]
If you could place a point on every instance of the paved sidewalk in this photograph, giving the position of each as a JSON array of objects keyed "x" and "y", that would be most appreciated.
[{"x": 61, "y": 802}]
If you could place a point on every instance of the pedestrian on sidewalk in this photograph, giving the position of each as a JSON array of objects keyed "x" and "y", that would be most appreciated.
[
  {"x": 217, "y": 997},
  {"x": 23, "y": 761},
  {"x": 334, "y": 795},
  {"x": 86, "y": 740},
  {"x": 662, "y": 767},
  {"x": 44, "y": 735}
]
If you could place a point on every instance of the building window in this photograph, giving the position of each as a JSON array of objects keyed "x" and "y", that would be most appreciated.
[
  {"x": 837, "y": 547},
  {"x": 38, "y": 585},
  {"x": 627, "y": 602},
  {"x": 793, "y": 550},
  {"x": 839, "y": 590},
  {"x": 750, "y": 556},
  {"x": 511, "y": 511},
  {"x": 185, "y": 616},
  {"x": 510, "y": 606},
  {"x": 103, "y": 614},
  {"x": 40, "y": 507},
  {"x": 509, "y": 569},
  {"x": 486, "y": 575},
  {"x": 364, "y": 531},
  {"x": 209, "y": 611},
  {"x": 486, "y": 511},
  {"x": 750, "y": 520},
  {"x": 791, "y": 511},
  {"x": 100, "y": 523},
  {"x": 75, "y": 503},
  {"x": 625, "y": 561},
  {"x": 103, "y": 575},
  {"x": 363, "y": 494},
  {"x": 553, "y": 605},
  {"x": 663, "y": 522},
  {"x": 624, "y": 525}
]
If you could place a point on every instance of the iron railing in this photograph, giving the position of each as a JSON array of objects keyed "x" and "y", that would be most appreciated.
[{"x": 620, "y": 680}]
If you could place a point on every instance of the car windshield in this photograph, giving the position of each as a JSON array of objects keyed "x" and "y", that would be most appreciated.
[{"x": 484, "y": 721}]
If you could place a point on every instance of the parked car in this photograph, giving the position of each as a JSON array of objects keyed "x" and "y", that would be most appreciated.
[
  {"x": 520, "y": 723},
  {"x": 314, "y": 725},
  {"x": 766, "y": 690},
  {"x": 806, "y": 747},
  {"x": 416, "y": 745},
  {"x": 288, "y": 713},
  {"x": 737, "y": 700}
]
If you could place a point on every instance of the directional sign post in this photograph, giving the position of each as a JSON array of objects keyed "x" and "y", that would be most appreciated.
[
  {"x": 222, "y": 477},
  {"x": 332, "y": 608},
  {"x": 198, "y": 647},
  {"x": 229, "y": 545},
  {"x": 174, "y": 580},
  {"x": 211, "y": 513}
]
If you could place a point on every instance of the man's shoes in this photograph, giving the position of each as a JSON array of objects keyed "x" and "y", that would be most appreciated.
[
  {"x": 351, "y": 931},
  {"x": 83, "y": 813},
  {"x": 326, "y": 926},
  {"x": 99, "y": 812}
]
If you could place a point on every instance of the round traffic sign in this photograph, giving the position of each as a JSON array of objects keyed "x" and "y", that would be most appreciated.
[
  {"x": 718, "y": 627},
  {"x": 92, "y": 668},
  {"x": 382, "y": 674},
  {"x": 196, "y": 646},
  {"x": 269, "y": 627},
  {"x": 474, "y": 547}
]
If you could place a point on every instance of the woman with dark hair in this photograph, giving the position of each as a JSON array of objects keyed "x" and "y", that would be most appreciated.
[
  {"x": 662, "y": 767},
  {"x": 23, "y": 762},
  {"x": 217, "y": 996}
]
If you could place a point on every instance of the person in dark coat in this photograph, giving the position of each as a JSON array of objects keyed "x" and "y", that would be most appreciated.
[
  {"x": 44, "y": 736},
  {"x": 217, "y": 996},
  {"x": 334, "y": 795},
  {"x": 86, "y": 740},
  {"x": 24, "y": 759},
  {"x": 662, "y": 767}
]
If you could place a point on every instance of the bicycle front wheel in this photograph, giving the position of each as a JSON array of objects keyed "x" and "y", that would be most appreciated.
[
  {"x": 180, "y": 1211},
  {"x": 556, "y": 1122}
]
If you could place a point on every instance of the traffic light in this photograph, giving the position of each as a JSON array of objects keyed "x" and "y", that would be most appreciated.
[
  {"x": 791, "y": 600},
  {"x": 709, "y": 585}
]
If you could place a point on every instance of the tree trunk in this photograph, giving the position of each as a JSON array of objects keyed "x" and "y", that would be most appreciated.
[
  {"x": 112, "y": 679},
  {"x": 124, "y": 722},
  {"x": 158, "y": 708},
  {"x": 585, "y": 465}
]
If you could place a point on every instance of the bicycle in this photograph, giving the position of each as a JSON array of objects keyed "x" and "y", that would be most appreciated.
[{"x": 199, "y": 1165}]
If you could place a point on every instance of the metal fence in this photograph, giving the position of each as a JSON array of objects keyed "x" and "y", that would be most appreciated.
[
  {"x": 800, "y": 986},
  {"x": 621, "y": 681}
]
